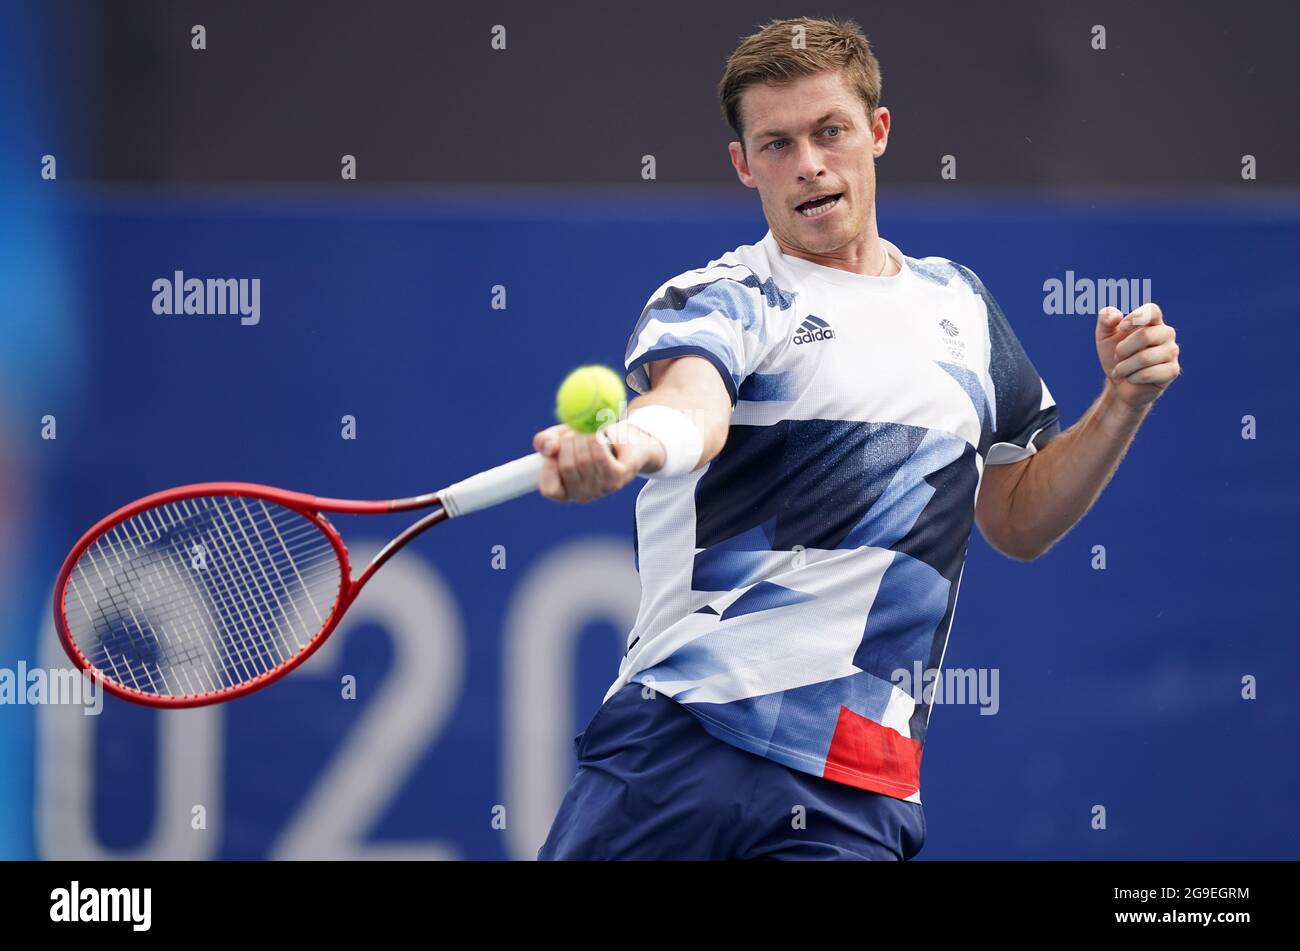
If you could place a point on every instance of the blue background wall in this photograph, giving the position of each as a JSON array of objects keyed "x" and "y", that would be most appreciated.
[{"x": 1120, "y": 687}]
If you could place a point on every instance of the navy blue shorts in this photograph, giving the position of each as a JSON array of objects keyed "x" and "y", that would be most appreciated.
[{"x": 652, "y": 783}]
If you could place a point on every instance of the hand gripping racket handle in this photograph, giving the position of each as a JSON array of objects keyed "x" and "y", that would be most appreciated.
[{"x": 493, "y": 486}]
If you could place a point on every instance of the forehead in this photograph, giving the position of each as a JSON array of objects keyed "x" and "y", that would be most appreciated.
[{"x": 792, "y": 106}]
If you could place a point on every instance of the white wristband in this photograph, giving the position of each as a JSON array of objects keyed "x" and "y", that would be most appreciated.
[{"x": 681, "y": 438}]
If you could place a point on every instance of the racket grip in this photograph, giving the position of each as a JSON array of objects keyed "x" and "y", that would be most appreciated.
[{"x": 492, "y": 486}]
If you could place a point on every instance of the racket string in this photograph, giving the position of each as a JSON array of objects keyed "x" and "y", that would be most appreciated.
[
  {"x": 201, "y": 594},
  {"x": 234, "y": 611},
  {"x": 125, "y": 577}
]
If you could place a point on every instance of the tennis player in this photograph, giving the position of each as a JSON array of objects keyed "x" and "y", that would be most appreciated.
[{"x": 823, "y": 418}]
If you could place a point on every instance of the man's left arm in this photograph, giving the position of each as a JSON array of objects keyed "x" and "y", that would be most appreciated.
[{"x": 1026, "y": 507}]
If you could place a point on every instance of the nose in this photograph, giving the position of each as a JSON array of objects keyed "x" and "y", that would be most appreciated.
[{"x": 809, "y": 165}]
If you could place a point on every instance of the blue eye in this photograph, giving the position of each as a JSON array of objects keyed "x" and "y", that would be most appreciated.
[{"x": 777, "y": 145}]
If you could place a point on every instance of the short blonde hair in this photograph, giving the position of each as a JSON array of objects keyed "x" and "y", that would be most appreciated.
[{"x": 770, "y": 56}]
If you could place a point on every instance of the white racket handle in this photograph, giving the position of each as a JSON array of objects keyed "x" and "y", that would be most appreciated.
[{"x": 493, "y": 486}]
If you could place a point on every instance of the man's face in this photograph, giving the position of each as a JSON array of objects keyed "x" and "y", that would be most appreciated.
[{"x": 807, "y": 139}]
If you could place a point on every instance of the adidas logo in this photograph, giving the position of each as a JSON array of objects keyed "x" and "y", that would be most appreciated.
[
  {"x": 949, "y": 327},
  {"x": 812, "y": 330}
]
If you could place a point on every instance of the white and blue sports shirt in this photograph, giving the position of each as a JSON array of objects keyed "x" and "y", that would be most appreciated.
[{"x": 784, "y": 583}]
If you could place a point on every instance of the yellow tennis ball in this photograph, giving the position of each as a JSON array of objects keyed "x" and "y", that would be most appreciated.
[{"x": 590, "y": 397}]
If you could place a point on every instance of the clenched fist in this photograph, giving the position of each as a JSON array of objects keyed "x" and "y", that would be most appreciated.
[
  {"x": 580, "y": 467},
  {"x": 1138, "y": 353}
]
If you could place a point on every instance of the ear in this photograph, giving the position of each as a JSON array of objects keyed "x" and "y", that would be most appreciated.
[
  {"x": 880, "y": 132},
  {"x": 740, "y": 163}
]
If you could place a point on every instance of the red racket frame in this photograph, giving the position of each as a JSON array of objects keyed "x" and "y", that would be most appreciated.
[{"x": 310, "y": 507}]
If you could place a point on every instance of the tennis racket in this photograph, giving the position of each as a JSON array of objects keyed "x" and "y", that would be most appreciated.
[{"x": 206, "y": 592}]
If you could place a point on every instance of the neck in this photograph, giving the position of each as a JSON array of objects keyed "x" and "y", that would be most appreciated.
[{"x": 864, "y": 255}]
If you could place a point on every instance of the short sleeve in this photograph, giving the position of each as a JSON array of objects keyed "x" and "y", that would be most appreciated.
[
  {"x": 1026, "y": 414},
  {"x": 714, "y": 313}
]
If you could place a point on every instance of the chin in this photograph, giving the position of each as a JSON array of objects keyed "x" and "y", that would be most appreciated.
[{"x": 821, "y": 240}]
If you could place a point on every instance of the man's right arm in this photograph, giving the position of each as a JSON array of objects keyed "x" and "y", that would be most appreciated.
[{"x": 580, "y": 467}]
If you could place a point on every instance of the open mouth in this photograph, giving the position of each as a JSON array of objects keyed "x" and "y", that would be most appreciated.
[{"x": 819, "y": 206}]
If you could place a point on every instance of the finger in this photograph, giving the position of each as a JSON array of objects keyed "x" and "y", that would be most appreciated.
[
  {"x": 606, "y": 456},
  {"x": 1106, "y": 321},
  {"x": 603, "y": 445},
  {"x": 1145, "y": 316},
  {"x": 1143, "y": 338},
  {"x": 549, "y": 485},
  {"x": 568, "y": 470},
  {"x": 547, "y": 441},
  {"x": 1161, "y": 375},
  {"x": 606, "y": 471},
  {"x": 585, "y": 466},
  {"x": 626, "y": 446},
  {"x": 1151, "y": 356}
]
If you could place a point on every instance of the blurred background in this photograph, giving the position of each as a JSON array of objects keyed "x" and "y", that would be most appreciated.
[{"x": 1108, "y": 140}]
